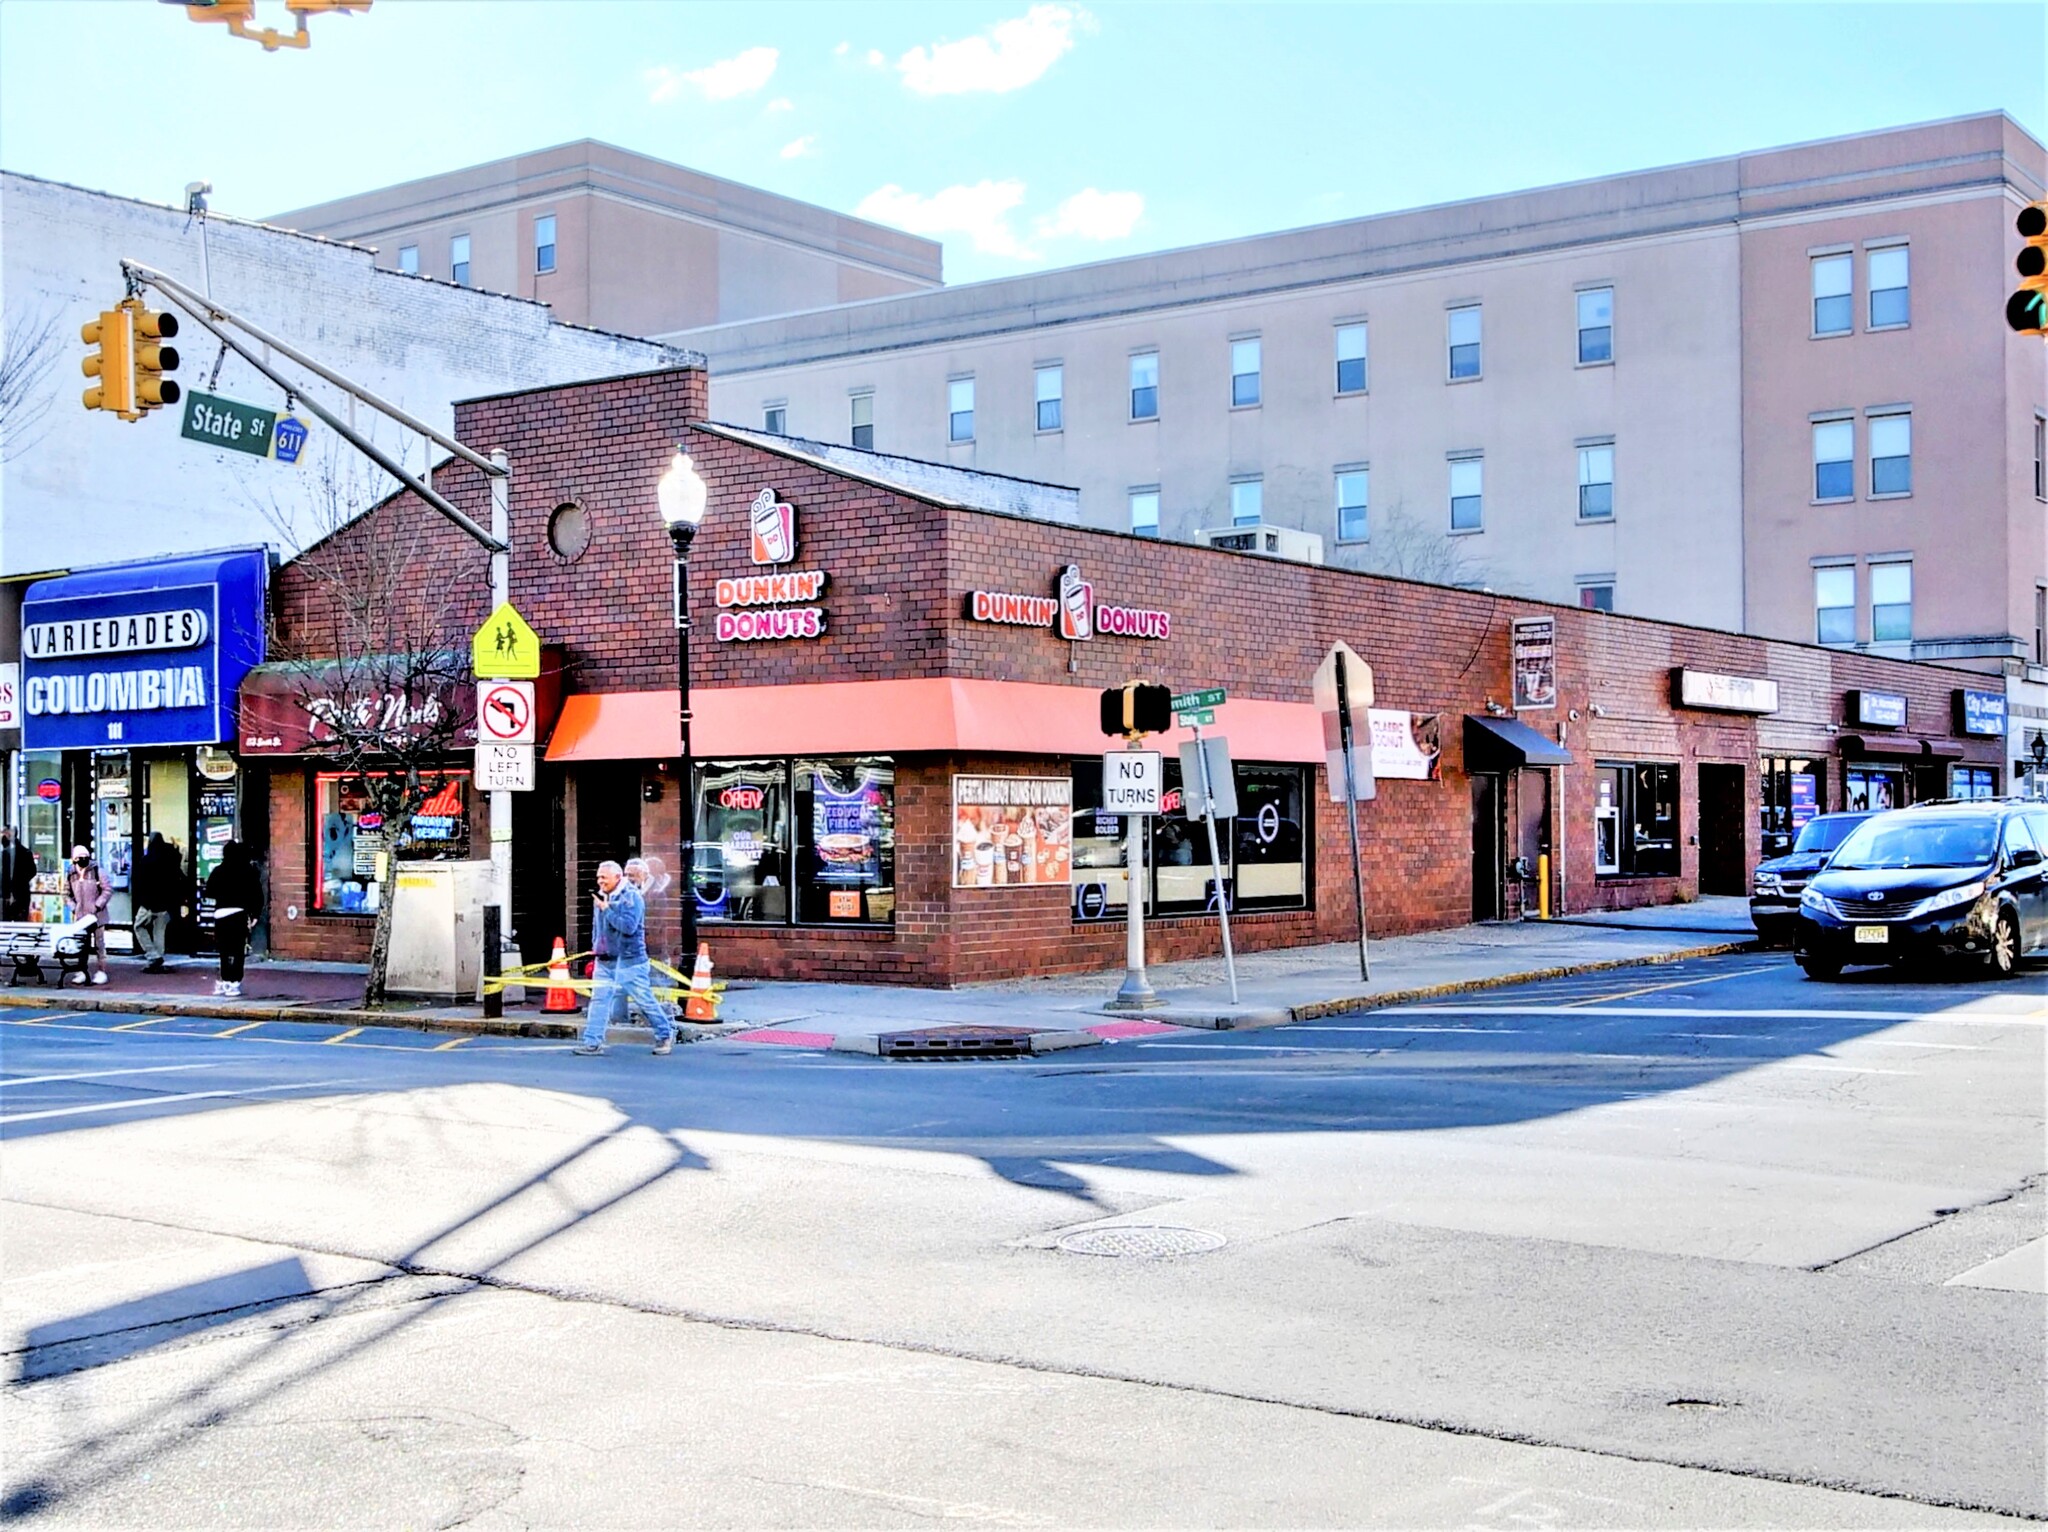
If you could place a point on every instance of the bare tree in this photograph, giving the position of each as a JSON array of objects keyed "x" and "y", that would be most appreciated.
[
  {"x": 374, "y": 631},
  {"x": 1403, "y": 546},
  {"x": 27, "y": 348}
]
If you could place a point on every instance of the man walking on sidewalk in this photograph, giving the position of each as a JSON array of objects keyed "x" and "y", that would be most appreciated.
[
  {"x": 159, "y": 890},
  {"x": 619, "y": 941}
]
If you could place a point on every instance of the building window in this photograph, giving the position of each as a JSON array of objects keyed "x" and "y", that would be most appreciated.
[
  {"x": 1353, "y": 487},
  {"x": 1635, "y": 819},
  {"x": 1834, "y": 459},
  {"x": 1596, "y": 325},
  {"x": 1467, "y": 489},
  {"x": 960, "y": 410},
  {"x": 1891, "y": 603},
  {"x": 1891, "y": 455},
  {"x": 544, "y": 243},
  {"x": 1145, "y": 512},
  {"x": 1350, "y": 358},
  {"x": 1597, "y": 595},
  {"x": 351, "y": 836},
  {"x": 862, "y": 407},
  {"x": 1145, "y": 386},
  {"x": 1834, "y": 604},
  {"x": 775, "y": 419},
  {"x": 409, "y": 259},
  {"x": 811, "y": 841},
  {"x": 1890, "y": 293},
  {"x": 1265, "y": 851},
  {"x": 1833, "y": 306},
  {"x": 1464, "y": 342},
  {"x": 2041, "y": 624},
  {"x": 1975, "y": 782},
  {"x": 1247, "y": 502},
  {"x": 743, "y": 864},
  {"x": 2040, "y": 457},
  {"x": 1596, "y": 483},
  {"x": 1051, "y": 389},
  {"x": 1244, "y": 372},
  {"x": 458, "y": 259}
]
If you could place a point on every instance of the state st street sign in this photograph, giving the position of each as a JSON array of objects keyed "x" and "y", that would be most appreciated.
[{"x": 225, "y": 423}]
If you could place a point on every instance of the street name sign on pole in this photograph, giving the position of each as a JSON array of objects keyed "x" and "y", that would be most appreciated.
[
  {"x": 1343, "y": 682},
  {"x": 1203, "y": 764},
  {"x": 227, "y": 423}
]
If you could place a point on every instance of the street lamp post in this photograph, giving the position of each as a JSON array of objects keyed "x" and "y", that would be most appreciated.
[{"x": 681, "y": 494}]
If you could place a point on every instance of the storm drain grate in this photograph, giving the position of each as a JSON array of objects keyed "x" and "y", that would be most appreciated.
[
  {"x": 1141, "y": 1242},
  {"x": 956, "y": 1043}
]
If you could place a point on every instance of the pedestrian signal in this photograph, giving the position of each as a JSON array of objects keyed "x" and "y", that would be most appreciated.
[
  {"x": 1137, "y": 708},
  {"x": 111, "y": 363},
  {"x": 2027, "y": 310},
  {"x": 153, "y": 359}
]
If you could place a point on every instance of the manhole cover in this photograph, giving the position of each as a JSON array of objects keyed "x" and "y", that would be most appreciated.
[
  {"x": 956, "y": 1043},
  {"x": 1142, "y": 1242}
]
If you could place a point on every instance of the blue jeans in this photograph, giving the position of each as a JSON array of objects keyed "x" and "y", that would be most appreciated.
[{"x": 616, "y": 984}]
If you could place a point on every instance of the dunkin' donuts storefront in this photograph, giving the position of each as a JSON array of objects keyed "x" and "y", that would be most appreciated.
[{"x": 897, "y": 760}]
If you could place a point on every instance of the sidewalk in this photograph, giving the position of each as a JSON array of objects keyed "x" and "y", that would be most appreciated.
[{"x": 1295, "y": 984}]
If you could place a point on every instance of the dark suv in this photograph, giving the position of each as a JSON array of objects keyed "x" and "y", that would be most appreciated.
[
  {"x": 1774, "y": 892},
  {"x": 1950, "y": 878}
]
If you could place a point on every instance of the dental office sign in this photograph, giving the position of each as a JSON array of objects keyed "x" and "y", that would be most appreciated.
[{"x": 140, "y": 655}]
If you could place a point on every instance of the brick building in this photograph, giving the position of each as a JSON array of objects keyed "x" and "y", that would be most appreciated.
[{"x": 865, "y": 783}]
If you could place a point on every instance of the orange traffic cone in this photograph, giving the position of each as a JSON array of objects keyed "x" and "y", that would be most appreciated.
[
  {"x": 701, "y": 1006},
  {"x": 560, "y": 996}
]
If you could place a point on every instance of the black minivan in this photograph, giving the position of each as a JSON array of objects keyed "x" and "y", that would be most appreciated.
[{"x": 1950, "y": 878}]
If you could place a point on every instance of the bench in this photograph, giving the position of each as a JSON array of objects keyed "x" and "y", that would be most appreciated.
[{"x": 28, "y": 944}]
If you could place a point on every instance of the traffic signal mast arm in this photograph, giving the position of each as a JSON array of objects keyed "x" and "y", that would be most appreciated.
[{"x": 216, "y": 319}]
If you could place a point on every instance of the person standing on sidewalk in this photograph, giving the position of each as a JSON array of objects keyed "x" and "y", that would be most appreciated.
[
  {"x": 17, "y": 876},
  {"x": 654, "y": 923},
  {"x": 159, "y": 891},
  {"x": 232, "y": 888},
  {"x": 619, "y": 942},
  {"x": 86, "y": 887}
]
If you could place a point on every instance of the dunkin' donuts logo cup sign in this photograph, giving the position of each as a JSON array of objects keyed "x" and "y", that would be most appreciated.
[
  {"x": 1077, "y": 604},
  {"x": 774, "y": 526}
]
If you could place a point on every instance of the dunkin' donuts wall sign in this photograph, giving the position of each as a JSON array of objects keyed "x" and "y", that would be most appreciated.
[
  {"x": 1073, "y": 612},
  {"x": 757, "y": 607}
]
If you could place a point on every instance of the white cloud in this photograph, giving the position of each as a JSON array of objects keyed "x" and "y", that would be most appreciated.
[
  {"x": 981, "y": 212},
  {"x": 782, "y": 104},
  {"x": 797, "y": 148},
  {"x": 876, "y": 58},
  {"x": 740, "y": 75},
  {"x": 1010, "y": 55},
  {"x": 1092, "y": 214},
  {"x": 840, "y": 51}
]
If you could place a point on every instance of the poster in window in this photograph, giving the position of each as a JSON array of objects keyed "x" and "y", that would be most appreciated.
[
  {"x": 1010, "y": 831},
  {"x": 1533, "y": 644},
  {"x": 1805, "y": 799}
]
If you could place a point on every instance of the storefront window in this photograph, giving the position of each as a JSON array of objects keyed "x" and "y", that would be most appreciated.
[
  {"x": 1973, "y": 782},
  {"x": 845, "y": 820},
  {"x": 351, "y": 836},
  {"x": 113, "y": 830},
  {"x": 1869, "y": 789},
  {"x": 743, "y": 841},
  {"x": 1635, "y": 820},
  {"x": 1791, "y": 796},
  {"x": 1263, "y": 850}
]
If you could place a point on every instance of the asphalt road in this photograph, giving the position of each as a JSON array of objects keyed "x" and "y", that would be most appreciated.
[{"x": 1699, "y": 1245}]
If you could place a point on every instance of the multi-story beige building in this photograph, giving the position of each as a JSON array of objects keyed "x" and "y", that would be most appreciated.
[
  {"x": 1771, "y": 393},
  {"x": 625, "y": 242}
]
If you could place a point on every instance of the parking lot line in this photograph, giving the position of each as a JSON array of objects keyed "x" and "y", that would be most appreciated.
[
  {"x": 98, "y": 1074},
  {"x": 342, "y": 1037}
]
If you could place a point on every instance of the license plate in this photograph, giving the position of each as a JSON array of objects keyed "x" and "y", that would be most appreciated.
[{"x": 1874, "y": 934}]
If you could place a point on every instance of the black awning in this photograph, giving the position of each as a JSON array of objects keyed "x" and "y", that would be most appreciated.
[
  {"x": 1913, "y": 746},
  {"x": 1503, "y": 744}
]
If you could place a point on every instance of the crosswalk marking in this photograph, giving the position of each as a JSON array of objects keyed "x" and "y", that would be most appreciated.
[
  {"x": 141, "y": 1102},
  {"x": 97, "y": 1074}
]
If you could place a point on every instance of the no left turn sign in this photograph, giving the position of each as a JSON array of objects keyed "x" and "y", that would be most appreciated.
[{"x": 504, "y": 712}]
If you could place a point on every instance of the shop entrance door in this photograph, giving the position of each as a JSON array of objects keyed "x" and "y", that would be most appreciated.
[
  {"x": 1724, "y": 859},
  {"x": 607, "y": 829},
  {"x": 1489, "y": 836},
  {"x": 1532, "y": 834}
]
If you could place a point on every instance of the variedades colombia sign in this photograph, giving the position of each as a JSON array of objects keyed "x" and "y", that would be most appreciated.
[
  {"x": 140, "y": 654},
  {"x": 1072, "y": 611}
]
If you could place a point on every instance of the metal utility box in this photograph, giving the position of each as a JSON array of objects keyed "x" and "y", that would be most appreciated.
[{"x": 437, "y": 929}]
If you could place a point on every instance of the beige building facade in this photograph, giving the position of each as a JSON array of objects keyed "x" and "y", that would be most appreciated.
[{"x": 625, "y": 242}]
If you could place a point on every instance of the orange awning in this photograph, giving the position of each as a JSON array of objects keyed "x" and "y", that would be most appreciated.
[{"x": 895, "y": 717}]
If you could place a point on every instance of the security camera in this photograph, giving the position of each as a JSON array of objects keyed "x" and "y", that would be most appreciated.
[{"x": 196, "y": 193}]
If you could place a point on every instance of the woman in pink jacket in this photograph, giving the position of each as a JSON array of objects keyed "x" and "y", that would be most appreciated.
[{"x": 89, "y": 894}]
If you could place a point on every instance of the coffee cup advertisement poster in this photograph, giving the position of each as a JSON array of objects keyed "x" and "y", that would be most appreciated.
[{"x": 1012, "y": 830}]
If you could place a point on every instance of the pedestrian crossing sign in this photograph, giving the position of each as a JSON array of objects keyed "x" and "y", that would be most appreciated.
[{"x": 505, "y": 648}]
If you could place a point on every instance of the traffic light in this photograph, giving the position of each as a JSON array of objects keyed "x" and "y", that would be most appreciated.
[
  {"x": 2027, "y": 310},
  {"x": 1137, "y": 708},
  {"x": 112, "y": 364},
  {"x": 153, "y": 359}
]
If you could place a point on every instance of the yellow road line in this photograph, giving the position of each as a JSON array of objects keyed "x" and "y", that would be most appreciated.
[
  {"x": 453, "y": 1042},
  {"x": 342, "y": 1037},
  {"x": 135, "y": 1026},
  {"x": 1651, "y": 989},
  {"x": 247, "y": 1026}
]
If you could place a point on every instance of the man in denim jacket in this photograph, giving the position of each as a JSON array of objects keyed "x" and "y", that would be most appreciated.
[{"x": 619, "y": 941}]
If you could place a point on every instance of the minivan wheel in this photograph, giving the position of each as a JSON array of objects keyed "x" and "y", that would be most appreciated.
[
  {"x": 1821, "y": 968},
  {"x": 2004, "y": 957}
]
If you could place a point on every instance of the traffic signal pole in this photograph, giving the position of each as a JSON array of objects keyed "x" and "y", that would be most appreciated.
[{"x": 1136, "y": 992}]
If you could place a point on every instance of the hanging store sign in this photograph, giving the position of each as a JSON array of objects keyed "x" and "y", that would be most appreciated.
[
  {"x": 10, "y": 695},
  {"x": 1876, "y": 710},
  {"x": 303, "y": 709},
  {"x": 1980, "y": 713},
  {"x": 1072, "y": 612},
  {"x": 1724, "y": 694}
]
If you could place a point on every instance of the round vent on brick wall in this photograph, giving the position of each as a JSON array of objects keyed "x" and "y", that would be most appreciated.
[{"x": 569, "y": 531}]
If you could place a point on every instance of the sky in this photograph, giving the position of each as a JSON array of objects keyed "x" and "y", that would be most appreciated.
[{"x": 1021, "y": 135}]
